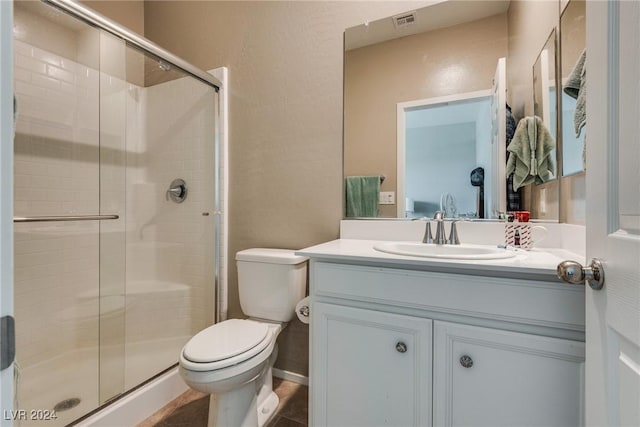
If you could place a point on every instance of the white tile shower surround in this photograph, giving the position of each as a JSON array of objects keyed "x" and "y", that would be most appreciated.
[{"x": 58, "y": 264}]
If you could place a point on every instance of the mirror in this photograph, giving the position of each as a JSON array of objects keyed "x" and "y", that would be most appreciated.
[
  {"x": 572, "y": 100},
  {"x": 545, "y": 97},
  {"x": 450, "y": 49}
]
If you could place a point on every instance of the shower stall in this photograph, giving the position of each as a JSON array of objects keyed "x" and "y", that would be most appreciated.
[{"x": 117, "y": 208}]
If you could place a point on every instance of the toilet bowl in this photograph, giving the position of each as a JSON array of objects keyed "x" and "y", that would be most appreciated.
[{"x": 233, "y": 360}]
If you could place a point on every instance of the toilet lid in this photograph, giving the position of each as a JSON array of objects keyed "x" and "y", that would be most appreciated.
[{"x": 224, "y": 340}]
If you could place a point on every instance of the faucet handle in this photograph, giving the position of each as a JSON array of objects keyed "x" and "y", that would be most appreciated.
[
  {"x": 453, "y": 234},
  {"x": 428, "y": 238}
]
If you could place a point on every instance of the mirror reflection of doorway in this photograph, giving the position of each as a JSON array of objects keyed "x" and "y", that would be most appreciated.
[{"x": 443, "y": 143}]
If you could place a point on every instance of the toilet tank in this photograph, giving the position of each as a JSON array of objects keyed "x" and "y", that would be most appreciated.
[{"x": 271, "y": 282}]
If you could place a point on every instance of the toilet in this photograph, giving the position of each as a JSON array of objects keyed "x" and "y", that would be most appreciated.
[{"x": 232, "y": 360}]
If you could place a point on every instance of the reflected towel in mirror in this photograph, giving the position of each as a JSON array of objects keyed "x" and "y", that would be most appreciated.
[
  {"x": 576, "y": 87},
  {"x": 363, "y": 195},
  {"x": 531, "y": 159}
]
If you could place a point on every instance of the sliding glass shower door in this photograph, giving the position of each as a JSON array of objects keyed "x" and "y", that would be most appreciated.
[
  {"x": 114, "y": 198},
  {"x": 170, "y": 213},
  {"x": 56, "y": 174}
]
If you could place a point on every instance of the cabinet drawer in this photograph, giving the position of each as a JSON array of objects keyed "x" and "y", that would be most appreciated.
[{"x": 547, "y": 304}]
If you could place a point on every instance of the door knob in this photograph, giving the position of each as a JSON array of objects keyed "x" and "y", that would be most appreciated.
[{"x": 574, "y": 273}]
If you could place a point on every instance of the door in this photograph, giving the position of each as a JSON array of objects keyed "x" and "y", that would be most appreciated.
[
  {"x": 6, "y": 207},
  {"x": 374, "y": 368},
  {"x": 613, "y": 213}
]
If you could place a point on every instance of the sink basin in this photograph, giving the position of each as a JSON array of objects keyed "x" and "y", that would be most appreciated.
[{"x": 463, "y": 251}]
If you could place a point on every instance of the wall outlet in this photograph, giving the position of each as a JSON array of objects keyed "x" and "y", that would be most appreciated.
[{"x": 387, "y": 197}]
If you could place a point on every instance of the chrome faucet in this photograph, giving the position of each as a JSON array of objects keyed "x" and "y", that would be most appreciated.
[{"x": 440, "y": 239}]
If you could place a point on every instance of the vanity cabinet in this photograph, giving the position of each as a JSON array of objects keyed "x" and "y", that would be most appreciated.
[{"x": 400, "y": 347}]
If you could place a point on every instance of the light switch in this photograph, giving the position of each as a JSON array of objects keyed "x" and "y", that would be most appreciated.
[{"x": 387, "y": 197}]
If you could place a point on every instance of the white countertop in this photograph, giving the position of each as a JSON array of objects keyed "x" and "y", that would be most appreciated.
[{"x": 537, "y": 264}]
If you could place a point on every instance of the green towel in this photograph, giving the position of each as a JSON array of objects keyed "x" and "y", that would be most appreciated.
[
  {"x": 576, "y": 87},
  {"x": 531, "y": 149},
  {"x": 363, "y": 194}
]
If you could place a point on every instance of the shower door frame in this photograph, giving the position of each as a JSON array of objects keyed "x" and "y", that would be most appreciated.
[
  {"x": 6, "y": 200},
  {"x": 92, "y": 18}
]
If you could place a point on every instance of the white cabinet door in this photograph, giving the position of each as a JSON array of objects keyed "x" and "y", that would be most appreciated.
[
  {"x": 369, "y": 368},
  {"x": 489, "y": 377}
]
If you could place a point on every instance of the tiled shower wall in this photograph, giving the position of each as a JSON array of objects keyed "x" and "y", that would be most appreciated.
[
  {"x": 178, "y": 130},
  {"x": 56, "y": 173}
]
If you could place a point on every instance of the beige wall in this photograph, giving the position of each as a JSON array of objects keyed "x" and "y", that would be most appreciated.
[
  {"x": 129, "y": 13},
  {"x": 448, "y": 61},
  {"x": 285, "y": 64}
]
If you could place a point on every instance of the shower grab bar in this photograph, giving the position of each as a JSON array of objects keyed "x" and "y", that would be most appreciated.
[{"x": 64, "y": 218}]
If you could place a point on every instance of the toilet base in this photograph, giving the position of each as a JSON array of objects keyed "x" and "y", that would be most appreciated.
[
  {"x": 243, "y": 407},
  {"x": 237, "y": 408},
  {"x": 267, "y": 410},
  {"x": 267, "y": 399}
]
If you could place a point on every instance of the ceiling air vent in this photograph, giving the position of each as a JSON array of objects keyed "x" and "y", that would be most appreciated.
[{"x": 404, "y": 19}]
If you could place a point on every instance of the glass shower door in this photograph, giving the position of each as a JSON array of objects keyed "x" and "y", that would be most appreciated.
[
  {"x": 56, "y": 174},
  {"x": 171, "y": 119},
  {"x": 117, "y": 149},
  {"x": 157, "y": 134}
]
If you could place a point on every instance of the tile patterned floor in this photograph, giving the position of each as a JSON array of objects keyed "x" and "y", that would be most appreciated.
[{"x": 191, "y": 408}]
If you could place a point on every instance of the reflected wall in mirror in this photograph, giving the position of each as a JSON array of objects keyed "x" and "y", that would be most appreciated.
[
  {"x": 573, "y": 74},
  {"x": 436, "y": 60},
  {"x": 545, "y": 96}
]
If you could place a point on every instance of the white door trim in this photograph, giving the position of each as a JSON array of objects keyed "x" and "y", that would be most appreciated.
[{"x": 6, "y": 183}]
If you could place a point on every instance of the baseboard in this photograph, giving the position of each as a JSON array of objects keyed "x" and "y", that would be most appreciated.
[
  {"x": 291, "y": 376},
  {"x": 140, "y": 404}
]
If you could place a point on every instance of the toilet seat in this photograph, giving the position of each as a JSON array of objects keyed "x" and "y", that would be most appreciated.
[{"x": 225, "y": 344}]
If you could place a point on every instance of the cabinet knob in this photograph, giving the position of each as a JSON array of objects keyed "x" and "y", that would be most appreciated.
[
  {"x": 401, "y": 347},
  {"x": 466, "y": 361}
]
